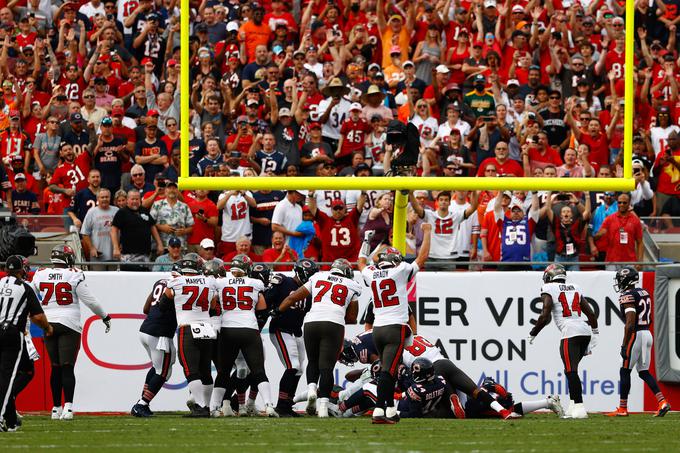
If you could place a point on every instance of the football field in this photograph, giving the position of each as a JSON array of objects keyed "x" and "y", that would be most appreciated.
[{"x": 539, "y": 432}]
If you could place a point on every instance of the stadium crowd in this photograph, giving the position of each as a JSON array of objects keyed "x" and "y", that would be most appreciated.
[{"x": 89, "y": 117}]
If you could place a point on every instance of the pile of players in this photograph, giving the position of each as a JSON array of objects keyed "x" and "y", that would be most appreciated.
[{"x": 220, "y": 310}]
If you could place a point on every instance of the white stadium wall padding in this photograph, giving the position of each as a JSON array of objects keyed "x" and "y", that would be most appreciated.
[{"x": 481, "y": 320}]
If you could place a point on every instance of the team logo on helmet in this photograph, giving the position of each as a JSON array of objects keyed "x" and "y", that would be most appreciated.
[
  {"x": 304, "y": 269},
  {"x": 375, "y": 369},
  {"x": 191, "y": 263},
  {"x": 554, "y": 273},
  {"x": 261, "y": 272},
  {"x": 241, "y": 263},
  {"x": 626, "y": 277},
  {"x": 342, "y": 267},
  {"x": 422, "y": 370},
  {"x": 349, "y": 355},
  {"x": 63, "y": 254},
  {"x": 390, "y": 257}
]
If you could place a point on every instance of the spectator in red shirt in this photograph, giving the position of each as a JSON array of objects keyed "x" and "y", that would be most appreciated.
[
  {"x": 205, "y": 218},
  {"x": 353, "y": 134},
  {"x": 242, "y": 248},
  {"x": 339, "y": 232},
  {"x": 624, "y": 234},
  {"x": 504, "y": 165},
  {"x": 279, "y": 252}
]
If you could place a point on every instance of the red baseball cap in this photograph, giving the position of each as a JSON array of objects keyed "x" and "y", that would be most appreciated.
[
  {"x": 146, "y": 60},
  {"x": 152, "y": 112},
  {"x": 172, "y": 62},
  {"x": 337, "y": 202},
  {"x": 314, "y": 125}
]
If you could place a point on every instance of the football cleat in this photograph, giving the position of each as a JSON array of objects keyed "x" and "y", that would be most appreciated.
[
  {"x": 270, "y": 411},
  {"x": 664, "y": 408},
  {"x": 67, "y": 414},
  {"x": 392, "y": 415},
  {"x": 334, "y": 411},
  {"x": 579, "y": 411},
  {"x": 323, "y": 408},
  {"x": 378, "y": 417},
  {"x": 311, "y": 403},
  {"x": 56, "y": 412},
  {"x": 555, "y": 405},
  {"x": 216, "y": 413},
  {"x": 456, "y": 407},
  {"x": 243, "y": 411},
  {"x": 619, "y": 412},
  {"x": 140, "y": 410},
  {"x": 191, "y": 403},
  {"x": 507, "y": 414},
  {"x": 227, "y": 411},
  {"x": 251, "y": 409},
  {"x": 7, "y": 429}
]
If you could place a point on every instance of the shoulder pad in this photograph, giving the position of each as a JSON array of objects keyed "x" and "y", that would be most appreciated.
[{"x": 275, "y": 279}]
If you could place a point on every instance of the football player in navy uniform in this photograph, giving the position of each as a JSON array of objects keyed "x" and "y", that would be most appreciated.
[
  {"x": 285, "y": 331},
  {"x": 156, "y": 334},
  {"x": 636, "y": 350},
  {"x": 359, "y": 349},
  {"x": 426, "y": 391}
]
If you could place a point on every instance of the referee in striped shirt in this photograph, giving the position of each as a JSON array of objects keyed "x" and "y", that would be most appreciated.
[{"x": 18, "y": 301}]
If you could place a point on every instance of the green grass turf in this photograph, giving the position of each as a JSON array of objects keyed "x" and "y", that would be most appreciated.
[{"x": 166, "y": 433}]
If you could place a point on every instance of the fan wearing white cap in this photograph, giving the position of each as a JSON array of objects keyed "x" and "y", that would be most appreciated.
[
  {"x": 516, "y": 230},
  {"x": 353, "y": 134},
  {"x": 333, "y": 110}
]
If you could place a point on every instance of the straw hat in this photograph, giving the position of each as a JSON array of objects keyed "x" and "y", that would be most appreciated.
[
  {"x": 372, "y": 90},
  {"x": 335, "y": 87}
]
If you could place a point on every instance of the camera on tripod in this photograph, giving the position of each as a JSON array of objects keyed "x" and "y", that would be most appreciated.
[
  {"x": 405, "y": 142},
  {"x": 15, "y": 239}
]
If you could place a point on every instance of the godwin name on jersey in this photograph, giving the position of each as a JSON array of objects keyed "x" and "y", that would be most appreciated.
[{"x": 566, "y": 309}]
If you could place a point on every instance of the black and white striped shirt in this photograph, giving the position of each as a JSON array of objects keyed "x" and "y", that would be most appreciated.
[{"x": 17, "y": 301}]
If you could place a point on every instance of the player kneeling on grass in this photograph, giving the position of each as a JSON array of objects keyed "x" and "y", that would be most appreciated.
[
  {"x": 238, "y": 297},
  {"x": 334, "y": 302},
  {"x": 579, "y": 335},
  {"x": 636, "y": 350}
]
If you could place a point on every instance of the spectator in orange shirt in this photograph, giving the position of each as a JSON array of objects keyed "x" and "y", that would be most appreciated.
[{"x": 254, "y": 33}]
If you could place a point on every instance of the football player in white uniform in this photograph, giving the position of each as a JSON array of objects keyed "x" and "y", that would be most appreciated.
[
  {"x": 567, "y": 305},
  {"x": 239, "y": 296},
  {"x": 62, "y": 289},
  {"x": 388, "y": 281},
  {"x": 191, "y": 294},
  {"x": 334, "y": 302}
]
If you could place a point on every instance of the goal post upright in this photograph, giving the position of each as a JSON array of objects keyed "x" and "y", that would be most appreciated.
[{"x": 186, "y": 182}]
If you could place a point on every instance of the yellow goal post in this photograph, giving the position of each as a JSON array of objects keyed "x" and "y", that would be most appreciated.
[{"x": 398, "y": 183}]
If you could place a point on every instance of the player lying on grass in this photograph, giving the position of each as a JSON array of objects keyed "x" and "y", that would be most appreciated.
[{"x": 362, "y": 349}]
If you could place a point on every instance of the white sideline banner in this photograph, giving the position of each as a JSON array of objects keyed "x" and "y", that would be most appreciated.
[{"x": 481, "y": 320}]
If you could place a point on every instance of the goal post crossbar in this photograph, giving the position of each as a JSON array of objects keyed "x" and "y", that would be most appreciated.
[{"x": 186, "y": 182}]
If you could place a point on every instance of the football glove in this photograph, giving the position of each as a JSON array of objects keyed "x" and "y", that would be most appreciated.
[
  {"x": 531, "y": 339},
  {"x": 274, "y": 313},
  {"x": 107, "y": 323}
]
